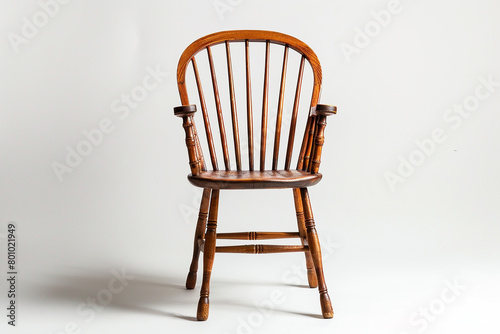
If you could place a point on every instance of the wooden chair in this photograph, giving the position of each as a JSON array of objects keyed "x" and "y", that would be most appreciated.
[{"x": 255, "y": 177}]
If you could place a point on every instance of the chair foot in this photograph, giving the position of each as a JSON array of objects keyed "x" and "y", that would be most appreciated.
[
  {"x": 191, "y": 280},
  {"x": 311, "y": 278},
  {"x": 203, "y": 306},
  {"x": 326, "y": 305}
]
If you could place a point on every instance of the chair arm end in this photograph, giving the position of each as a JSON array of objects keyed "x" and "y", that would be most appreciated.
[
  {"x": 325, "y": 109},
  {"x": 185, "y": 110}
]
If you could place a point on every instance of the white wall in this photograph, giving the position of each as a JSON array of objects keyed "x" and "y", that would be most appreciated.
[{"x": 128, "y": 202}]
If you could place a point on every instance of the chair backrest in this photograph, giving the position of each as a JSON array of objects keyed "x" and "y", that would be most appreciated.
[{"x": 288, "y": 101}]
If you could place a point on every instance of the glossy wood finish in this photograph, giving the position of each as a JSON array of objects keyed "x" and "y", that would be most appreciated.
[
  {"x": 257, "y": 235},
  {"x": 299, "y": 210},
  {"x": 186, "y": 112},
  {"x": 313, "y": 242},
  {"x": 199, "y": 236},
  {"x": 208, "y": 256},
  {"x": 322, "y": 111},
  {"x": 265, "y": 105},
  {"x": 308, "y": 160},
  {"x": 234, "y": 114},
  {"x": 206, "y": 120},
  {"x": 254, "y": 179},
  {"x": 279, "y": 117},
  {"x": 220, "y": 117},
  {"x": 293, "y": 125},
  {"x": 308, "y": 139},
  {"x": 250, "y": 35},
  {"x": 261, "y": 249},
  {"x": 249, "y": 106}
]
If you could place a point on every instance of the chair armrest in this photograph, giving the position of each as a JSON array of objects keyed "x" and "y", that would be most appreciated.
[
  {"x": 196, "y": 162},
  {"x": 325, "y": 109},
  {"x": 321, "y": 111},
  {"x": 181, "y": 111}
]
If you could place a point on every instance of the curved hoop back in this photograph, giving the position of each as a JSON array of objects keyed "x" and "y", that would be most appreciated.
[{"x": 247, "y": 37}]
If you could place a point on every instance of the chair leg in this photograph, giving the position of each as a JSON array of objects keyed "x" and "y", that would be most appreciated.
[
  {"x": 313, "y": 241},
  {"x": 198, "y": 237},
  {"x": 208, "y": 256},
  {"x": 299, "y": 209}
]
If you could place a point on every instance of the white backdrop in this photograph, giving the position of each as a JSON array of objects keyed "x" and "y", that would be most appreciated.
[{"x": 406, "y": 208}]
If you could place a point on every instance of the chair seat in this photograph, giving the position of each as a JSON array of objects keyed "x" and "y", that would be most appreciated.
[{"x": 269, "y": 179}]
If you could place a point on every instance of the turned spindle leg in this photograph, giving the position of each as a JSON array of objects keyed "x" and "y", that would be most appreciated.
[
  {"x": 311, "y": 274},
  {"x": 208, "y": 256},
  {"x": 198, "y": 237},
  {"x": 313, "y": 241}
]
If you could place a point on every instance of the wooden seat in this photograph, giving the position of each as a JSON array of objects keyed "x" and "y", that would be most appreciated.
[
  {"x": 271, "y": 129},
  {"x": 273, "y": 179}
]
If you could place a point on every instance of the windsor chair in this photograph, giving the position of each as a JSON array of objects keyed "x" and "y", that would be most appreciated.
[{"x": 254, "y": 177}]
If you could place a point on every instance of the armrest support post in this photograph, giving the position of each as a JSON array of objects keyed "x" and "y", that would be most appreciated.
[
  {"x": 195, "y": 157},
  {"x": 321, "y": 112}
]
